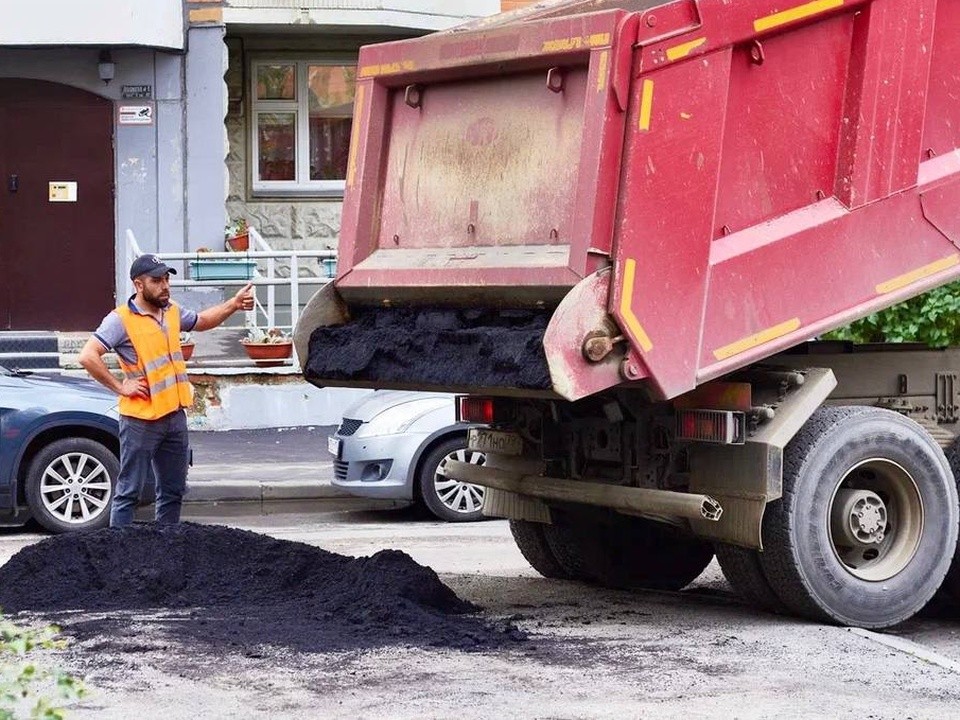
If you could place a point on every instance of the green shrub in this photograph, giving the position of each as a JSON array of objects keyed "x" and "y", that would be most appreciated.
[
  {"x": 932, "y": 318},
  {"x": 28, "y": 690}
]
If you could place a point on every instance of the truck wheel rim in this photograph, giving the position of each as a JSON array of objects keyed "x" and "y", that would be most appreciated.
[
  {"x": 875, "y": 519},
  {"x": 460, "y": 497},
  {"x": 75, "y": 488}
]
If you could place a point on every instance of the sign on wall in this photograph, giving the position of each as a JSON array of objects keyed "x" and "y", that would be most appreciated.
[
  {"x": 62, "y": 191},
  {"x": 135, "y": 114},
  {"x": 137, "y": 92}
]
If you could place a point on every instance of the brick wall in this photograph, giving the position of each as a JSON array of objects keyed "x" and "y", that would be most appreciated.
[
  {"x": 205, "y": 12},
  {"x": 514, "y": 4}
]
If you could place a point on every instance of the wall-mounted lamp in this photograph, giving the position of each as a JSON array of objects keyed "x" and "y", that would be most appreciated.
[{"x": 105, "y": 67}]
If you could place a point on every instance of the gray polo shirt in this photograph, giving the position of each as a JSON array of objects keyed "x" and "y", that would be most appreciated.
[{"x": 113, "y": 335}]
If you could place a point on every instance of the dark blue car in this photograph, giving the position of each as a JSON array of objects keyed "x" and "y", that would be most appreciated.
[{"x": 58, "y": 451}]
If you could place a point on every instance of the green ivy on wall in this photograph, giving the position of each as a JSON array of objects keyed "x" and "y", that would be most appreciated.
[{"x": 932, "y": 318}]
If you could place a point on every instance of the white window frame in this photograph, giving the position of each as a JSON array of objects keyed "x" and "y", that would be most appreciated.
[{"x": 300, "y": 106}]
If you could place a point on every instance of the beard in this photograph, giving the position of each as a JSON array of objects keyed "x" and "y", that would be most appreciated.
[{"x": 156, "y": 300}]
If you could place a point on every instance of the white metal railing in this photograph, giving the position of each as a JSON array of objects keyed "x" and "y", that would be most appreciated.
[{"x": 264, "y": 275}]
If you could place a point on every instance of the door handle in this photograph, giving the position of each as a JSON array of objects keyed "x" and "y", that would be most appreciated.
[{"x": 13, "y": 183}]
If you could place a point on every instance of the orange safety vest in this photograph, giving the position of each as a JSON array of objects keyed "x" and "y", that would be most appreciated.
[{"x": 159, "y": 360}]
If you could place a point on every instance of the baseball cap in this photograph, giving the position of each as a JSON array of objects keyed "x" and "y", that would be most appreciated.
[{"x": 149, "y": 265}]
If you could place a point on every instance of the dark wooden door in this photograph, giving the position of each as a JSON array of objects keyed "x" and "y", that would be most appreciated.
[{"x": 56, "y": 258}]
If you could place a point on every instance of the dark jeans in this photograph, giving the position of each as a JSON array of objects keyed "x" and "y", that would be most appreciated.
[{"x": 158, "y": 444}]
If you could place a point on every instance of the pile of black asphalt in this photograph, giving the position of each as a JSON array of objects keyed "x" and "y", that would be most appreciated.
[
  {"x": 231, "y": 589},
  {"x": 433, "y": 346}
]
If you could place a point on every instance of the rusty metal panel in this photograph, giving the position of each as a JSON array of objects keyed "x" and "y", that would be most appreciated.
[
  {"x": 486, "y": 162},
  {"x": 670, "y": 173},
  {"x": 942, "y": 123},
  {"x": 886, "y": 99},
  {"x": 796, "y": 246},
  {"x": 784, "y": 113}
]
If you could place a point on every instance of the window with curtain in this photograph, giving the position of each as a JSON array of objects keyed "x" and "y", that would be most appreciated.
[{"x": 302, "y": 120}]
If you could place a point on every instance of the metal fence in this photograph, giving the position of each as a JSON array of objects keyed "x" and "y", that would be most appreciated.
[{"x": 262, "y": 266}]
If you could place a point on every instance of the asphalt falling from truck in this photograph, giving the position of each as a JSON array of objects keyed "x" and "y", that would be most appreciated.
[
  {"x": 231, "y": 590},
  {"x": 431, "y": 346}
]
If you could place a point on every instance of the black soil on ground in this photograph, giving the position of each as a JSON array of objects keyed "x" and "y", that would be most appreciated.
[
  {"x": 434, "y": 347},
  {"x": 234, "y": 588}
]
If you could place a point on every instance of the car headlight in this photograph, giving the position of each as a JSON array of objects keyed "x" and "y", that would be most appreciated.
[{"x": 399, "y": 418}]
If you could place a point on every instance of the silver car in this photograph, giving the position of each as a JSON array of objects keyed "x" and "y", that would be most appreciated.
[{"x": 391, "y": 444}]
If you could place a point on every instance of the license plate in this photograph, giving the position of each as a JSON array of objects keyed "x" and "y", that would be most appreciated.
[
  {"x": 333, "y": 445},
  {"x": 494, "y": 441}
]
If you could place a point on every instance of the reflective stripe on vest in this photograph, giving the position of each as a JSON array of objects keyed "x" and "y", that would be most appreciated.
[{"x": 160, "y": 361}]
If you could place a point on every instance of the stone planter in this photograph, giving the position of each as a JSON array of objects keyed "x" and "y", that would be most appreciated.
[{"x": 268, "y": 354}]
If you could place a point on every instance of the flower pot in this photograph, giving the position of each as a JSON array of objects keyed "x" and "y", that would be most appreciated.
[
  {"x": 225, "y": 269},
  {"x": 186, "y": 349},
  {"x": 268, "y": 354},
  {"x": 238, "y": 243}
]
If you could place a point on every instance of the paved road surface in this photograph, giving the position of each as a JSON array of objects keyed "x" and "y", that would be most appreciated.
[{"x": 593, "y": 654}]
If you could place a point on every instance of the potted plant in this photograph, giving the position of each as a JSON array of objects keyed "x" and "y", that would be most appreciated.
[
  {"x": 186, "y": 345},
  {"x": 206, "y": 268},
  {"x": 237, "y": 236},
  {"x": 267, "y": 348}
]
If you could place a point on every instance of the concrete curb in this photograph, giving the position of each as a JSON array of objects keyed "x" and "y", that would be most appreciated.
[{"x": 207, "y": 491}]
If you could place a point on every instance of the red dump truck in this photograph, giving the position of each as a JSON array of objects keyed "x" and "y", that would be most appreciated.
[{"x": 616, "y": 227}]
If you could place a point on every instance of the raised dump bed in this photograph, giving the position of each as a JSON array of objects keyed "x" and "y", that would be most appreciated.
[{"x": 713, "y": 182}]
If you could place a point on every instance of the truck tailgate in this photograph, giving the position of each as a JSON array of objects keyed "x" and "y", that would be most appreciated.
[{"x": 475, "y": 164}]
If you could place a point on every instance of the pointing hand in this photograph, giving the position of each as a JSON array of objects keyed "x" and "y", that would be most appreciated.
[{"x": 244, "y": 299}]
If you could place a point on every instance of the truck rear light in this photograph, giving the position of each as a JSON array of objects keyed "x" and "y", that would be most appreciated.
[
  {"x": 726, "y": 427},
  {"x": 476, "y": 410}
]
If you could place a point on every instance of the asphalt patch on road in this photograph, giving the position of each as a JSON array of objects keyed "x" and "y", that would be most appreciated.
[
  {"x": 233, "y": 589},
  {"x": 432, "y": 346}
]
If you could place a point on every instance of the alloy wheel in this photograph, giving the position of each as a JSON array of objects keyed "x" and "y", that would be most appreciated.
[{"x": 75, "y": 488}]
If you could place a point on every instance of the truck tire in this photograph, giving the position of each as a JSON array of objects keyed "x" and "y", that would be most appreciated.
[
  {"x": 573, "y": 551},
  {"x": 629, "y": 553},
  {"x": 867, "y": 525},
  {"x": 532, "y": 541},
  {"x": 741, "y": 567},
  {"x": 950, "y": 591},
  {"x": 70, "y": 483}
]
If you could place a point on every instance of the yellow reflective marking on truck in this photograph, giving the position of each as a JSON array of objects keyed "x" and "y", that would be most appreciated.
[
  {"x": 757, "y": 339},
  {"x": 901, "y": 281},
  {"x": 626, "y": 306},
  {"x": 646, "y": 105},
  {"x": 602, "y": 71},
  {"x": 796, "y": 13},
  {"x": 393, "y": 68},
  {"x": 355, "y": 135},
  {"x": 576, "y": 43},
  {"x": 681, "y": 51}
]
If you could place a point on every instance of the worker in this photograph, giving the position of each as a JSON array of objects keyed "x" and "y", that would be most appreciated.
[{"x": 145, "y": 334}]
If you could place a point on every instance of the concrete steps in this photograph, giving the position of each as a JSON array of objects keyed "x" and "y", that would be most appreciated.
[{"x": 29, "y": 350}]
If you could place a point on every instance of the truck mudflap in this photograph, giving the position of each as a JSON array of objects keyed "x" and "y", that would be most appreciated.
[{"x": 494, "y": 350}]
